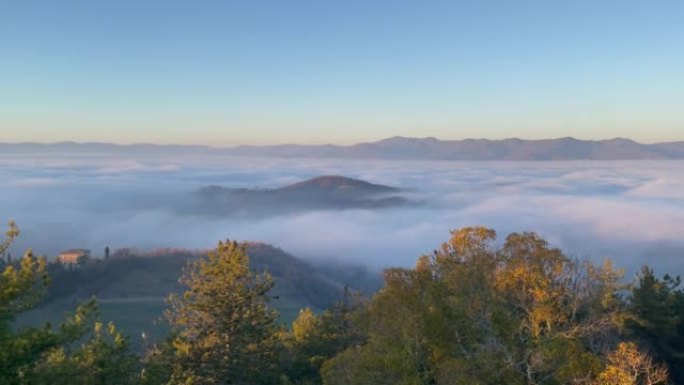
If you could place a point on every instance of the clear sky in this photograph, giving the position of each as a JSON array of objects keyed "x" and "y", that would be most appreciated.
[{"x": 255, "y": 71}]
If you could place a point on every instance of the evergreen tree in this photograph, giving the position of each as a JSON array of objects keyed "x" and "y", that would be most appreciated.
[
  {"x": 224, "y": 331},
  {"x": 656, "y": 319}
]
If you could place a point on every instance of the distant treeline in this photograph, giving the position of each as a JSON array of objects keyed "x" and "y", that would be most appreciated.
[{"x": 470, "y": 313}]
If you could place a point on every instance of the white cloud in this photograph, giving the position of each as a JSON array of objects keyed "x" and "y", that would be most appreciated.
[
  {"x": 630, "y": 211},
  {"x": 34, "y": 182},
  {"x": 671, "y": 188}
]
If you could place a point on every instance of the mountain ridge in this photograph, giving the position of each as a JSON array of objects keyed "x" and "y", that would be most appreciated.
[{"x": 396, "y": 148}]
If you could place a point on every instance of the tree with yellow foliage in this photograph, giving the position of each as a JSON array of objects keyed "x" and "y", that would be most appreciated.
[
  {"x": 628, "y": 366},
  {"x": 78, "y": 352},
  {"x": 475, "y": 313},
  {"x": 224, "y": 332}
]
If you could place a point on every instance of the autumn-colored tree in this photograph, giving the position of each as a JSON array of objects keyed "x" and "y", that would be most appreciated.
[
  {"x": 102, "y": 358},
  {"x": 317, "y": 338},
  {"x": 11, "y": 233},
  {"x": 223, "y": 330},
  {"x": 21, "y": 287},
  {"x": 78, "y": 352},
  {"x": 473, "y": 313},
  {"x": 565, "y": 313},
  {"x": 628, "y": 366}
]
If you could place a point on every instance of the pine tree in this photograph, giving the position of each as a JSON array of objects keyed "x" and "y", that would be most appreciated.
[
  {"x": 656, "y": 319},
  {"x": 224, "y": 331}
]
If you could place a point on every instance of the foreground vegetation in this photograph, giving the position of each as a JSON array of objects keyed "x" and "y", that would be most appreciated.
[
  {"x": 131, "y": 287},
  {"x": 470, "y": 313}
]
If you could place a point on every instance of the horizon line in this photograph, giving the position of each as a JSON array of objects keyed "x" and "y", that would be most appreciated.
[{"x": 396, "y": 137}]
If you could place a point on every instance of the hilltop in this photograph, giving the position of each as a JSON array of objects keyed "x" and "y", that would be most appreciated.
[
  {"x": 336, "y": 182},
  {"x": 330, "y": 192}
]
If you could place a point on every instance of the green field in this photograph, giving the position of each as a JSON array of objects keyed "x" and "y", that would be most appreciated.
[{"x": 135, "y": 316}]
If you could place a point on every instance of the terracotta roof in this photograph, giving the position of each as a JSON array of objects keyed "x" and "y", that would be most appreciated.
[{"x": 72, "y": 251}]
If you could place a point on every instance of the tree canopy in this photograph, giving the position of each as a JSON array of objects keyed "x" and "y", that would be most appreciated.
[
  {"x": 223, "y": 330},
  {"x": 475, "y": 311}
]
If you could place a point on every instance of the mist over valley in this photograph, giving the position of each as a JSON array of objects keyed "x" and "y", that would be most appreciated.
[{"x": 393, "y": 211}]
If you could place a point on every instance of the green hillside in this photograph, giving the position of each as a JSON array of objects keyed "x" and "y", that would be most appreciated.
[{"x": 131, "y": 287}]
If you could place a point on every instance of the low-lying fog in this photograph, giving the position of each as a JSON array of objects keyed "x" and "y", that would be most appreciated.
[{"x": 632, "y": 212}]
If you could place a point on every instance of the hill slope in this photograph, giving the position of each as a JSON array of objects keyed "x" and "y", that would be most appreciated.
[
  {"x": 131, "y": 289},
  {"x": 330, "y": 192}
]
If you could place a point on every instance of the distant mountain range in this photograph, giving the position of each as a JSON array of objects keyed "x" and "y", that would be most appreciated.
[
  {"x": 330, "y": 192},
  {"x": 397, "y": 148}
]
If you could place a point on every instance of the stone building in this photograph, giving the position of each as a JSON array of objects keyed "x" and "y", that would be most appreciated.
[{"x": 73, "y": 257}]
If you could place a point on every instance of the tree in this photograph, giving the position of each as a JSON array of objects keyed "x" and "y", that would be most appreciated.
[
  {"x": 656, "y": 319},
  {"x": 223, "y": 330},
  {"x": 103, "y": 358},
  {"x": 628, "y": 366},
  {"x": 78, "y": 352},
  {"x": 472, "y": 313},
  {"x": 317, "y": 338},
  {"x": 20, "y": 289},
  {"x": 565, "y": 313},
  {"x": 11, "y": 233}
]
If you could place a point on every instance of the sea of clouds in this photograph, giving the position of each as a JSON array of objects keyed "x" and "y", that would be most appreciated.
[{"x": 632, "y": 212}]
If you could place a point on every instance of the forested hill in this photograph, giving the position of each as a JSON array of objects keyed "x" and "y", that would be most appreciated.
[
  {"x": 476, "y": 311},
  {"x": 132, "y": 285},
  {"x": 137, "y": 274}
]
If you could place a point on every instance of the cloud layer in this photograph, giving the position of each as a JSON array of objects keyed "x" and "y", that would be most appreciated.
[{"x": 632, "y": 212}]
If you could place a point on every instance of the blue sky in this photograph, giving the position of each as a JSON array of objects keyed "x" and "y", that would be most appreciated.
[{"x": 258, "y": 72}]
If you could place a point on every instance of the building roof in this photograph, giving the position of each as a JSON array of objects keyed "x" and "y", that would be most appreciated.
[{"x": 75, "y": 251}]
